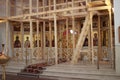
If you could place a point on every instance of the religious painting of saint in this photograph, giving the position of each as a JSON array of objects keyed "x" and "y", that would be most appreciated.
[
  {"x": 17, "y": 42},
  {"x": 27, "y": 43}
]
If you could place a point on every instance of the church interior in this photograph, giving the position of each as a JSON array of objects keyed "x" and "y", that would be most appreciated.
[{"x": 41, "y": 33}]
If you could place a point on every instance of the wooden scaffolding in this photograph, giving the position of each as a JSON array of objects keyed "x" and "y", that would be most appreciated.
[{"x": 50, "y": 14}]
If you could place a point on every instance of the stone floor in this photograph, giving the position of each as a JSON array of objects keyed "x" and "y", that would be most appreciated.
[
  {"x": 18, "y": 77},
  {"x": 64, "y": 71}
]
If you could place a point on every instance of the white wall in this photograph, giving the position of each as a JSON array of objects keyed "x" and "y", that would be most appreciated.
[
  {"x": 2, "y": 35},
  {"x": 2, "y": 8},
  {"x": 117, "y": 24},
  {"x": 3, "y": 38}
]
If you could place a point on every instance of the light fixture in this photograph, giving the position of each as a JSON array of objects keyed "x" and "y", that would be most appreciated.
[{"x": 73, "y": 32}]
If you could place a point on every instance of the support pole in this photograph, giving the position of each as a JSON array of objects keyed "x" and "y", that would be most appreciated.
[
  {"x": 37, "y": 25},
  {"x": 37, "y": 34},
  {"x": 50, "y": 32},
  {"x": 43, "y": 52},
  {"x": 55, "y": 33},
  {"x": 43, "y": 38},
  {"x": 92, "y": 53},
  {"x": 22, "y": 39},
  {"x": 31, "y": 40},
  {"x": 60, "y": 27},
  {"x": 22, "y": 34},
  {"x": 73, "y": 26},
  {"x": 50, "y": 27},
  {"x": 99, "y": 44},
  {"x": 38, "y": 40},
  {"x": 7, "y": 30},
  {"x": 31, "y": 31},
  {"x": 111, "y": 40},
  {"x": 89, "y": 42},
  {"x": 67, "y": 29}
]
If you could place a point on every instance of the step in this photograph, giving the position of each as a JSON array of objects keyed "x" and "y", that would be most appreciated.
[
  {"x": 81, "y": 72},
  {"x": 13, "y": 67},
  {"x": 80, "y": 76}
]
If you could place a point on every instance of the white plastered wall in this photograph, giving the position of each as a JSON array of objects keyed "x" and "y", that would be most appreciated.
[
  {"x": 3, "y": 38},
  {"x": 2, "y": 35},
  {"x": 117, "y": 43}
]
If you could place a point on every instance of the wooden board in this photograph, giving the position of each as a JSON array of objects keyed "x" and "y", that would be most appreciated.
[{"x": 96, "y": 3}]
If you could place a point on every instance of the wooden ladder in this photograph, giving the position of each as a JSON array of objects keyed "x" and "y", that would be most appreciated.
[{"x": 83, "y": 34}]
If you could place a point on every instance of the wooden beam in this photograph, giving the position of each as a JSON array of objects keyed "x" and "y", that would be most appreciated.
[
  {"x": 7, "y": 28},
  {"x": 67, "y": 35},
  {"x": 91, "y": 31},
  {"x": 99, "y": 8},
  {"x": 31, "y": 41},
  {"x": 96, "y": 3},
  {"x": 22, "y": 38},
  {"x": 55, "y": 33},
  {"x": 73, "y": 25},
  {"x": 40, "y": 19},
  {"x": 99, "y": 44},
  {"x": 81, "y": 39},
  {"x": 43, "y": 38},
  {"x": 38, "y": 40},
  {"x": 43, "y": 41},
  {"x": 37, "y": 23},
  {"x": 51, "y": 18},
  {"x": 31, "y": 31},
  {"x": 50, "y": 27},
  {"x": 111, "y": 39},
  {"x": 48, "y": 12}
]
